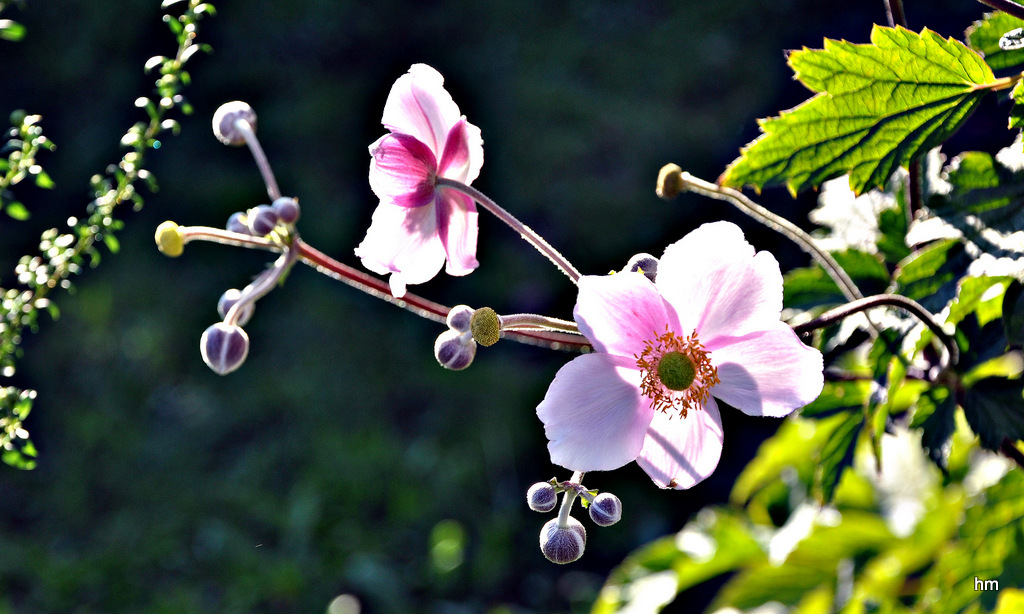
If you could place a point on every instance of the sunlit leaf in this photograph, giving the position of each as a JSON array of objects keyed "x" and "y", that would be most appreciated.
[
  {"x": 877, "y": 107},
  {"x": 984, "y": 37},
  {"x": 837, "y": 454}
]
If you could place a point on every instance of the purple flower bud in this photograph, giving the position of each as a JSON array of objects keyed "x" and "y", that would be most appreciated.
[
  {"x": 643, "y": 263},
  {"x": 238, "y": 223},
  {"x": 287, "y": 209},
  {"x": 605, "y": 509},
  {"x": 563, "y": 544},
  {"x": 224, "y": 347},
  {"x": 459, "y": 318},
  {"x": 262, "y": 220},
  {"x": 228, "y": 300},
  {"x": 541, "y": 497},
  {"x": 454, "y": 350},
  {"x": 225, "y": 118}
]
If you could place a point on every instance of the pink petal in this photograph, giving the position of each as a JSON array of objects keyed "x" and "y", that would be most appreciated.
[
  {"x": 619, "y": 313},
  {"x": 593, "y": 414},
  {"x": 457, "y": 227},
  {"x": 403, "y": 242},
  {"x": 767, "y": 373},
  {"x": 402, "y": 170},
  {"x": 463, "y": 153},
  {"x": 680, "y": 452},
  {"x": 419, "y": 105},
  {"x": 718, "y": 285}
]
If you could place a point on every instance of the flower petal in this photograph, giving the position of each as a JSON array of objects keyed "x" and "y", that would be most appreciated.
[
  {"x": 403, "y": 242},
  {"x": 402, "y": 170},
  {"x": 593, "y": 414},
  {"x": 619, "y": 313},
  {"x": 463, "y": 153},
  {"x": 680, "y": 452},
  {"x": 718, "y": 285},
  {"x": 419, "y": 105},
  {"x": 457, "y": 227},
  {"x": 767, "y": 373}
]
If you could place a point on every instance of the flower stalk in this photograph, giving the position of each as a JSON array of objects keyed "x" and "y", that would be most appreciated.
[
  {"x": 524, "y": 231},
  {"x": 895, "y": 300}
]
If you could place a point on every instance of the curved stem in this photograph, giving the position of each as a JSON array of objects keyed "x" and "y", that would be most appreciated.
[
  {"x": 377, "y": 288},
  {"x": 895, "y": 300},
  {"x": 1010, "y": 8},
  {"x": 263, "y": 284},
  {"x": 261, "y": 158},
  {"x": 524, "y": 231}
]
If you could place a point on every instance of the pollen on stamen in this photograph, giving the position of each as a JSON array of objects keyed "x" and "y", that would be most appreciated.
[{"x": 663, "y": 397}]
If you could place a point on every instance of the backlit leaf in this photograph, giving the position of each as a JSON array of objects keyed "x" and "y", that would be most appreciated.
[{"x": 877, "y": 107}]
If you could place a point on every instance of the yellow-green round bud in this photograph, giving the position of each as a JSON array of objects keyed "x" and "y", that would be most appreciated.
[
  {"x": 670, "y": 181},
  {"x": 485, "y": 326},
  {"x": 169, "y": 239}
]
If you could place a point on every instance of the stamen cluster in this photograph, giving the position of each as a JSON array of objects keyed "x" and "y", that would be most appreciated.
[{"x": 665, "y": 398}]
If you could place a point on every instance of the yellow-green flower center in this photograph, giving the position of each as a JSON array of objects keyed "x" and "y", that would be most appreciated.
[{"x": 677, "y": 373}]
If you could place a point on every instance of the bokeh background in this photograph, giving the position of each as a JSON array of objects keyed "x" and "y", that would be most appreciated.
[{"x": 341, "y": 460}]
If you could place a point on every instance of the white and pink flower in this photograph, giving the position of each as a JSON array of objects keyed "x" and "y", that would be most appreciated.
[
  {"x": 707, "y": 328},
  {"x": 419, "y": 226}
]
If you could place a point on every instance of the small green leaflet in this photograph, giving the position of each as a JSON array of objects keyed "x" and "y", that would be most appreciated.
[
  {"x": 877, "y": 107},
  {"x": 984, "y": 37}
]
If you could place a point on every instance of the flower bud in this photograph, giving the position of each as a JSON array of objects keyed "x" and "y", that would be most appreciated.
[
  {"x": 563, "y": 544},
  {"x": 238, "y": 223},
  {"x": 287, "y": 209},
  {"x": 670, "y": 182},
  {"x": 605, "y": 509},
  {"x": 454, "y": 350},
  {"x": 224, "y": 347},
  {"x": 643, "y": 263},
  {"x": 228, "y": 300},
  {"x": 224, "y": 119},
  {"x": 542, "y": 497},
  {"x": 459, "y": 318},
  {"x": 169, "y": 240},
  {"x": 262, "y": 220},
  {"x": 486, "y": 326}
]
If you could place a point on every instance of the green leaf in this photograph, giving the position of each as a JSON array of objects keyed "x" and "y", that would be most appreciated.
[
  {"x": 17, "y": 211},
  {"x": 1013, "y": 314},
  {"x": 935, "y": 414},
  {"x": 11, "y": 30},
  {"x": 984, "y": 38},
  {"x": 837, "y": 454},
  {"x": 994, "y": 407},
  {"x": 838, "y": 396},
  {"x": 877, "y": 107},
  {"x": 976, "y": 199},
  {"x": 930, "y": 275},
  {"x": 112, "y": 243}
]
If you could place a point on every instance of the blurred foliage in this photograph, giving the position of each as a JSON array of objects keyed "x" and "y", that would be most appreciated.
[
  {"x": 342, "y": 466},
  {"x": 62, "y": 254}
]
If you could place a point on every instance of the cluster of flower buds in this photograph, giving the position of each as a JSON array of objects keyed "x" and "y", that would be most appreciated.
[
  {"x": 455, "y": 348},
  {"x": 563, "y": 539},
  {"x": 264, "y": 220}
]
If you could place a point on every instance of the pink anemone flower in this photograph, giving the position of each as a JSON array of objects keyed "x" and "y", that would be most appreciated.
[
  {"x": 418, "y": 226},
  {"x": 707, "y": 328}
]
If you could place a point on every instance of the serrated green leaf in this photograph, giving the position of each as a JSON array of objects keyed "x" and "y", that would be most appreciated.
[
  {"x": 984, "y": 38},
  {"x": 970, "y": 295},
  {"x": 994, "y": 407},
  {"x": 877, "y": 107}
]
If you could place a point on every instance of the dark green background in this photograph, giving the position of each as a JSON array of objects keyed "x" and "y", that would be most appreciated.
[{"x": 325, "y": 464}]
